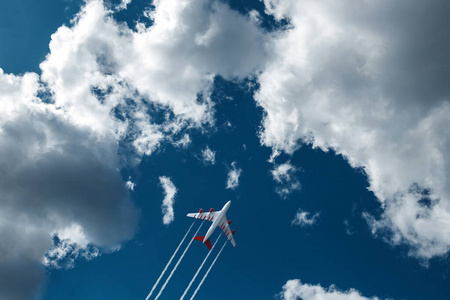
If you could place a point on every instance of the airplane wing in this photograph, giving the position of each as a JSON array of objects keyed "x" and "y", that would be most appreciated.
[
  {"x": 227, "y": 230},
  {"x": 208, "y": 216}
]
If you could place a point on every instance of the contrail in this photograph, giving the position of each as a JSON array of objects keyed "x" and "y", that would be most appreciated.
[
  {"x": 178, "y": 262},
  {"x": 207, "y": 272},
  {"x": 201, "y": 266},
  {"x": 170, "y": 261}
]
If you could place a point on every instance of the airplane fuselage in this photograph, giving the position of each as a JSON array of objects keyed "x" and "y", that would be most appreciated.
[{"x": 217, "y": 221}]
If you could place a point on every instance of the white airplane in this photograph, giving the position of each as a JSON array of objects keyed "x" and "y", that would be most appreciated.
[{"x": 218, "y": 218}]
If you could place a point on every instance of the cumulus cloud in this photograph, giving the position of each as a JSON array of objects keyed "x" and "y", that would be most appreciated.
[
  {"x": 59, "y": 179},
  {"x": 369, "y": 83},
  {"x": 284, "y": 176},
  {"x": 302, "y": 218},
  {"x": 233, "y": 176},
  {"x": 208, "y": 156},
  {"x": 122, "y": 79},
  {"x": 295, "y": 289},
  {"x": 169, "y": 199}
]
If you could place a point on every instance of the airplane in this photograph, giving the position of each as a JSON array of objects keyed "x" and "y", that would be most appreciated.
[{"x": 218, "y": 218}]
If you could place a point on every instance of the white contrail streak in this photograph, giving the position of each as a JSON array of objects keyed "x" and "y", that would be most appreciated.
[
  {"x": 170, "y": 261},
  {"x": 178, "y": 262},
  {"x": 207, "y": 272},
  {"x": 201, "y": 266}
]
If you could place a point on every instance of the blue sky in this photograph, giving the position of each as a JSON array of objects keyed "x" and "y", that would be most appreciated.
[{"x": 318, "y": 105}]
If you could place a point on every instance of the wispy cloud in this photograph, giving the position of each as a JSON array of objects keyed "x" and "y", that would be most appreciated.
[
  {"x": 184, "y": 142},
  {"x": 208, "y": 156},
  {"x": 167, "y": 206},
  {"x": 287, "y": 182},
  {"x": 348, "y": 228},
  {"x": 233, "y": 176},
  {"x": 302, "y": 218},
  {"x": 130, "y": 185},
  {"x": 295, "y": 289},
  {"x": 123, "y": 4},
  {"x": 68, "y": 246}
]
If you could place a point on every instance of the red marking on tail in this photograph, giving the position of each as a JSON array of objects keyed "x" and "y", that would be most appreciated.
[
  {"x": 207, "y": 242},
  {"x": 199, "y": 238}
]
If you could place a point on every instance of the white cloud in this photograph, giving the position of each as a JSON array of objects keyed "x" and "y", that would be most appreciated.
[
  {"x": 295, "y": 289},
  {"x": 111, "y": 77},
  {"x": 374, "y": 92},
  {"x": 284, "y": 175},
  {"x": 123, "y": 4},
  {"x": 302, "y": 218},
  {"x": 184, "y": 142},
  {"x": 254, "y": 16},
  {"x": 191, "y": 42},
  {"x": 208, "y": 156},
  {"x": 233, "y": 176},
  {"x": 130, "y": 185},
  {"x": 348, "y": 228},
  {"x": 169, "y": 199},
  {"x": 58, "y": 178},
  {"x": 69, "y": 244}
]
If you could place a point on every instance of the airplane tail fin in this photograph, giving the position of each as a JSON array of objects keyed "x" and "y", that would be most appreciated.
[{"x": 207, "y": 242}]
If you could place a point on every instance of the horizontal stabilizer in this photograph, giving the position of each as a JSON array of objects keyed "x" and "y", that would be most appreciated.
[
  {"x": 199, "y": 238},
  {"x": 207, "y": 242}
]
